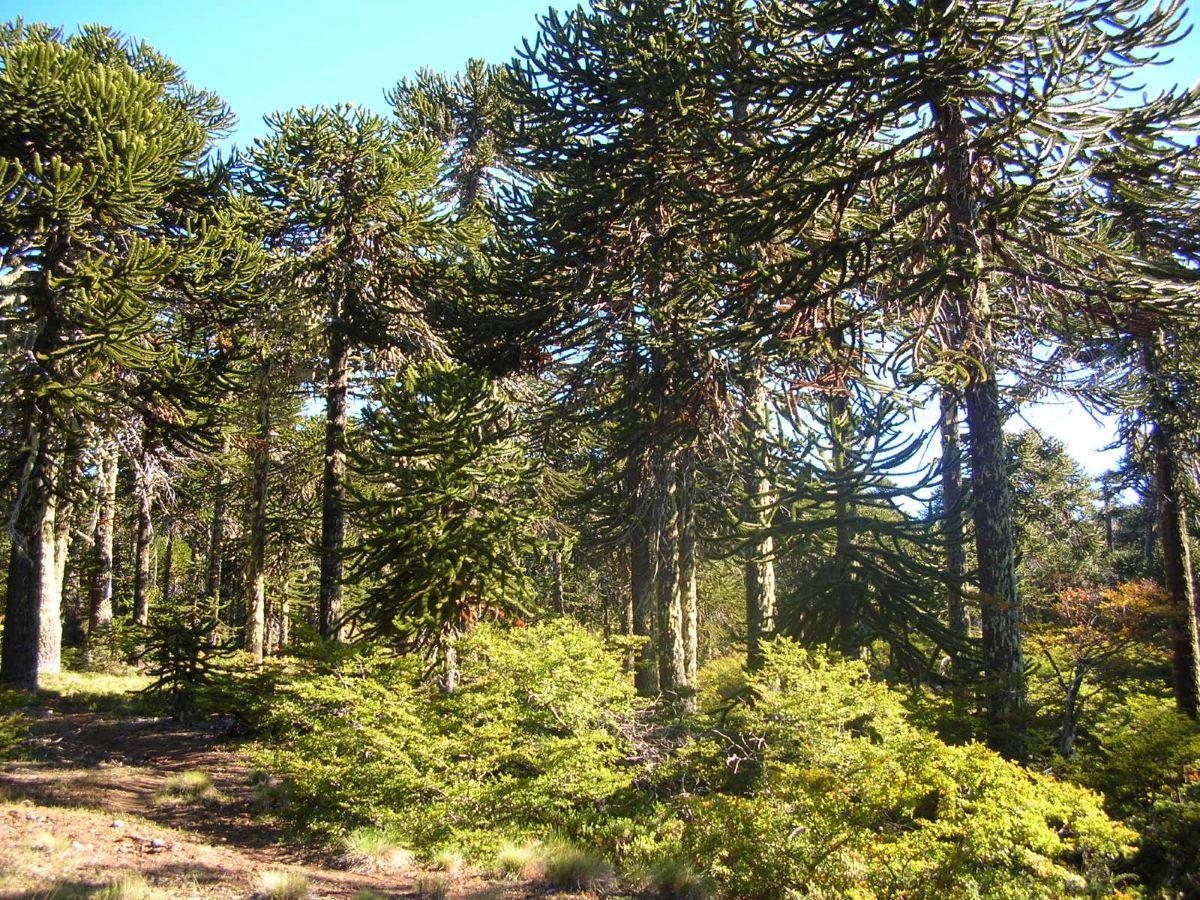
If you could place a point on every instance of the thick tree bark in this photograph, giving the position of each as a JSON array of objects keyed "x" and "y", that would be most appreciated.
[
  {"x": 32, "y": 615},
  {"x": 627, "y": 622},
  {"x": 448, "y": 657},
  {"x": 999, "y": 602},
  {"x": 285, "y": 617},
  {"x": 1150, "y": 538},
  {"x": 557, "y": 597},
  {"x": 672, "y": 671},
  {"x": 760, "y": 550},
  {"x": 54, "y": 616},
  {"x": 216, "y": 546},
  {"x": 1001, "y": 609},
  {"x": 687, "y": 572},
  {"x": 100, "y": 598},
  {"x": 848, "y": 613},
  {"x": 256, "y": 604},
  {"x": 1106, "y": 496},
  {"x": 144, "y": 489},
  {"x": 952, "y": 517},
  {"x": 333, "y": 497},
  {"x": 641, "y": 581},
  {"x": 168, "y": 564},
  {"x": 1170, "y": 472}
]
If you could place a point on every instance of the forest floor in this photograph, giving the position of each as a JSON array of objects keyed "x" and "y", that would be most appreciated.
[{"x": 89, "y": 808}]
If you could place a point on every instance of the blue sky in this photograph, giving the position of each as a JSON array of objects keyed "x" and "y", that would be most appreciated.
[{"x": 268, "y": 55}]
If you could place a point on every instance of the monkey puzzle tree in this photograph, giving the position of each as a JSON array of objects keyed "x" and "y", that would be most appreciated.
[
  {"x": 351, "y": 200},
  {"x": 974, "y": 123},
  {"x": 611, "y": 240},
  {"x": 470, "y": 116},
  {"x": 109, "y": 231},
  {"x": 448, "y": 503}
]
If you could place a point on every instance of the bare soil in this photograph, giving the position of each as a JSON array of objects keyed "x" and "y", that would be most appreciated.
[{"x": 84, "y": 810}]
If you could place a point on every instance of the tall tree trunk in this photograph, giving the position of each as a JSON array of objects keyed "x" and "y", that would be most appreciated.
[
  {"x": 627, "y": 616},
  {"x": 557, "y": 597},
  {"x": 448, "y": 658},
  {"x": 641, "y": 579},
  {"x": 687, "y": 572},
  {"x": 333, "y": 497},
  {"x": 760, "y": 548},
  {"x": 672, "y": 671},
  {"x": 999, "y": 602},
  {"x": 168, "y": 563},
  {"x": 285, "y": 615},
  {"x": 1106, "y": 496},
  {"x": 1150, "y": 538},
  {"x": 216, "y": 545},
  {"x": 100, "y": 598},
  {"x": 1000, "y": 605},
  {"x": 848, "y": 613},
  {"x": 32, "y": 614},
  {"x": 257, "y": 576},
  {"x": 54, "y": 620},
  {"x": 1170, "y": 472},
  {"x": 952, "y": 518},
  {"x": 144, "y": 488},
  {"x": 80, "y": 549}
]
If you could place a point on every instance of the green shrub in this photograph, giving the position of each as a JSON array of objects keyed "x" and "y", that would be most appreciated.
[
  {"x": 14, "y": 729},
  {"x": 529, "y": 743},
  {"x": 1145, "y": 758},
  {"x": 829, "y": 790}
]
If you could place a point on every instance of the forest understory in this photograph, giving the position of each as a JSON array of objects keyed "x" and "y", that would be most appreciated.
[{"x": 607, "y": 470}]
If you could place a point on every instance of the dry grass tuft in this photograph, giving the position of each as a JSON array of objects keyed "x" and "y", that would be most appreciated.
[
  {"x": 187, "y": 787},
  {"x": 280, "y": 885},
  {"x": 374, "y": 850}
]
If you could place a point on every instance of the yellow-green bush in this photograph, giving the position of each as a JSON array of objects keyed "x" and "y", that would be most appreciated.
[
  {"x": 824, "y": 788},
  {"x": 820, "y": 785},
  {"x": 530, "y": 743}
]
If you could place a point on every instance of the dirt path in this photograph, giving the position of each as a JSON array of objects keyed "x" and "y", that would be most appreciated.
[{"x": 87, "y": 810}]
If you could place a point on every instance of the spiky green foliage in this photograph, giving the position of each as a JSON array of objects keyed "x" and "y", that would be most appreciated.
[
  {"x": 447, "y": 503},
  {"x": 122, "y": 253},
  {"x": 181, "y": 658},
  {"x": 350, "y": 201}
]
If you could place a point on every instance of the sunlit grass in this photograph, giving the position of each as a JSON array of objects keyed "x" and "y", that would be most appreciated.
[
  {"x": 187, "y": 787},
  {"x": 524, "y": 860},
  {"x": 107, "y": 691},
  {"x": 280, "y": 885},
  {"x": 573, "y": 869},
  {"x": 373, "y": 849},
  {"x": 434, "y": 887},
  {"x": 127, "y": 887}
]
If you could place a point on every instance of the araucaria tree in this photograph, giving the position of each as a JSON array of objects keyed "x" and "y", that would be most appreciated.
[
  {"x": 973, "y": 124},
  {"x": 449, "y": 504},
  {"x": 351, "y": 201},
  {"x": 108, "y": 225}
]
